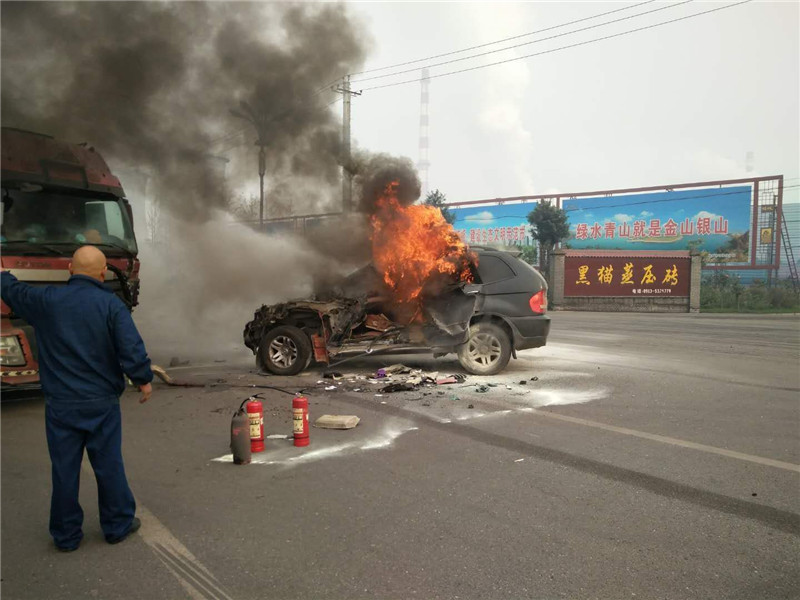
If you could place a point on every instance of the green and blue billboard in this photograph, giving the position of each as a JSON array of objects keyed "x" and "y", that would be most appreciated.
[{"x": 711, "y": 220}]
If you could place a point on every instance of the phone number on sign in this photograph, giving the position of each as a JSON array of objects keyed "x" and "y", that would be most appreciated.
[{"x": 652, "y": 291}]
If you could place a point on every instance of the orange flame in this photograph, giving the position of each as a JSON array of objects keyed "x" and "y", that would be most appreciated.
[{"x": 412, "y": 244}]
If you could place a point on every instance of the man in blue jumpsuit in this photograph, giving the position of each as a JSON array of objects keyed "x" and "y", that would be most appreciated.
[{"x": 87, "y": 343}]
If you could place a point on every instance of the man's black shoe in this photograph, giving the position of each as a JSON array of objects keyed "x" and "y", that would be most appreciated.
[
  {"x": 135, "y": 524},
  {"x": 66, "y": 549}
]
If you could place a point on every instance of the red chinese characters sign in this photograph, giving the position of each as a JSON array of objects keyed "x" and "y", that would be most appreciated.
[{"x": 622, "y": 276}]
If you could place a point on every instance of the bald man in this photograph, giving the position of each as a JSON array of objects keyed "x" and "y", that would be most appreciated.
[{"x": 87, "y": 344}]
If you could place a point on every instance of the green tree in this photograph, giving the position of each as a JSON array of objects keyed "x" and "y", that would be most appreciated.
[
  {"x": 439, "y": 200},
  {"x": 529, "y": 255},
  {"x": 550, "y": 227}
]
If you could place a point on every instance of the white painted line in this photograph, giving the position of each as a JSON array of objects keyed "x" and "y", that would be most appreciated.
[
  {"x": 193, "y": 576},
  {"x": 669, "y": 440}
]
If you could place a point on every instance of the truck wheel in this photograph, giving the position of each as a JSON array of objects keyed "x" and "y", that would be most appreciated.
[
  {"x": 285, "y": 350},
  {"x": 487, "y": 351}
]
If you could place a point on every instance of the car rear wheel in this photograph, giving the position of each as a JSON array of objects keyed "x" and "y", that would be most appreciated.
[
  {"x": 487, "y": 351},
  {"x": 285, "y": 350}
]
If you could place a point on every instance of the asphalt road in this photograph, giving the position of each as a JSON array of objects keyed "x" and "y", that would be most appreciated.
[{"x": 656, "y": 456}]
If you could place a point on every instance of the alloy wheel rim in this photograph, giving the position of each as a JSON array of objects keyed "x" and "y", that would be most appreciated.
[
  {"x": 484, "y": 349},
  {"x": 283, "y": 351}
]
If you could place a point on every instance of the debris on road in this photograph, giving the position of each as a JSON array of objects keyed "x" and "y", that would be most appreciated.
[
  {"x": 337, "y": 421},
  {"x": 457, "y": 378},
  {"x": 162, "y": 375},
  {"x": 393, "y": 379},
  {"x": 399, "y": 387},
  {"x": 177, "y": 362}
]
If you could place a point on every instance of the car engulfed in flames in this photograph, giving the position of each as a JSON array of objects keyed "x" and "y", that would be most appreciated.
[
  {"x": 423, "y": 292},
  {"x": 286, "y": 336}
]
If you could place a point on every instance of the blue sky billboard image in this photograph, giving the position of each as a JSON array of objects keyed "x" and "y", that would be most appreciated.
[
  {"x": 716, "y": 221},
  {"x": 495, "y": 224}
]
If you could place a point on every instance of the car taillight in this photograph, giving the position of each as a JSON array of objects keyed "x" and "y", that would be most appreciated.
[{"x": 538, "y": 302}]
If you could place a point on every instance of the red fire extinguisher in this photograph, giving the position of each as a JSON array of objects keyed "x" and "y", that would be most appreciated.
[
  {"x": 300, "y": 420},
  {"x": 255, "y": 413}
]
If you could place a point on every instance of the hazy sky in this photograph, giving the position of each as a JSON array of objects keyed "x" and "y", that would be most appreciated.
[{"x": 678, "y": 103}]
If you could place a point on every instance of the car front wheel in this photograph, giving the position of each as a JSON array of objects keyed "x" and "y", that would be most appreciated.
[
  {"x": 487, "y": 351},
  {"x": 285, "y": 350}
]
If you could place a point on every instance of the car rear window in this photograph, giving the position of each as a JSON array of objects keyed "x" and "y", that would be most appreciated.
[{"x": 492, "y": 268}]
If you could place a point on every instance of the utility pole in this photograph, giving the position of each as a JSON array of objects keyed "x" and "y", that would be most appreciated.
[
  {"x": 347, "y": 169},
  {"x": 259, "y": 122},
  {"x": 424, "y": 164}
]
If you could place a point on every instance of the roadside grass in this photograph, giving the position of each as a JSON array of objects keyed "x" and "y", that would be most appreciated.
[{"x": 762, "y": 311}]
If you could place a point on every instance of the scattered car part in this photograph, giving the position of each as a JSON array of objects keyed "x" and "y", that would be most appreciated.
[{"x": 337, "y": 421}]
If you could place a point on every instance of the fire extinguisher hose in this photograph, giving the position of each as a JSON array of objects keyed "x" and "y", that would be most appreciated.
[{"x": 241, "y": 406}]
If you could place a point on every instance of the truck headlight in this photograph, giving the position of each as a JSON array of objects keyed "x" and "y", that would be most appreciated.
[{"x": 11, "y": 351}]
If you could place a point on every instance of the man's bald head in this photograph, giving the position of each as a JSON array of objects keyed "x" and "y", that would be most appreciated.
[{"x": 89, "y": 260}]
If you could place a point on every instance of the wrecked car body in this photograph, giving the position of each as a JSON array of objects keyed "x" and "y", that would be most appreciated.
[
  {"x": 483, "y": 322},
  {"x": 285, "y": 337}
]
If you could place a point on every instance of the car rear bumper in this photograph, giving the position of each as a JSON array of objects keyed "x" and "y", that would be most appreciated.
[{"x": 530, "y": 332}]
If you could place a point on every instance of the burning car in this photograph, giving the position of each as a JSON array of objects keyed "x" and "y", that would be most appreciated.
[
  {"x": 485, "y": 321},
  {"x": 426, "y": 290}
]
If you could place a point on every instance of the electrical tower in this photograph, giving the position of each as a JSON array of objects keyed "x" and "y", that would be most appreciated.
[{"x": 423, "y": 164}]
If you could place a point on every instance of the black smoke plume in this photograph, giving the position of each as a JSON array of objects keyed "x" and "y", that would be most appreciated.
[{"x": 151, "y": 84}]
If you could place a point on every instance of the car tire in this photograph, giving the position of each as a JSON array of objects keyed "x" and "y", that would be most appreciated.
[
  {"x": 487, "y": 351},
  {"x": 285, "y": 350}
]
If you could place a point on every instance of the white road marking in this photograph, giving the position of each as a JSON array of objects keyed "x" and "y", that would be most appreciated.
[
  {"x": 669, "y": 440},
  {"x": 192, "y": 575}
]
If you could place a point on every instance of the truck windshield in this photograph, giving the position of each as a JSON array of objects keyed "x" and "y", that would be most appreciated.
[{"x": 63, "y": 218}]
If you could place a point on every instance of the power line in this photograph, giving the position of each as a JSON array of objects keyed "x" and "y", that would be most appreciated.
[
  {"x": 411, "y": 62},
  {"x": 608, "y": 37},
  {"x": 552, "y": 37},
  {"x": 228, "y": 136}
]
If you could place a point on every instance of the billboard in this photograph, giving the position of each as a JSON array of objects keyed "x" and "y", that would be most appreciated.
[
  {"x": 715, "y": 221},
  {"x": 494, "y": 224},
  {"x": 626, "y": 276}
]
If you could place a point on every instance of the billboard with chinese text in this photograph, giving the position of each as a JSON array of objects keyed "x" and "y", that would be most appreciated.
[
  {"x": 626, "y": 276},
  {"x": 495, "y": 224},
  {"x": 712, "y": 220}
]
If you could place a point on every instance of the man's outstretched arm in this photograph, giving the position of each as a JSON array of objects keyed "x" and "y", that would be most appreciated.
[{"x": 25, "y": 300}]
